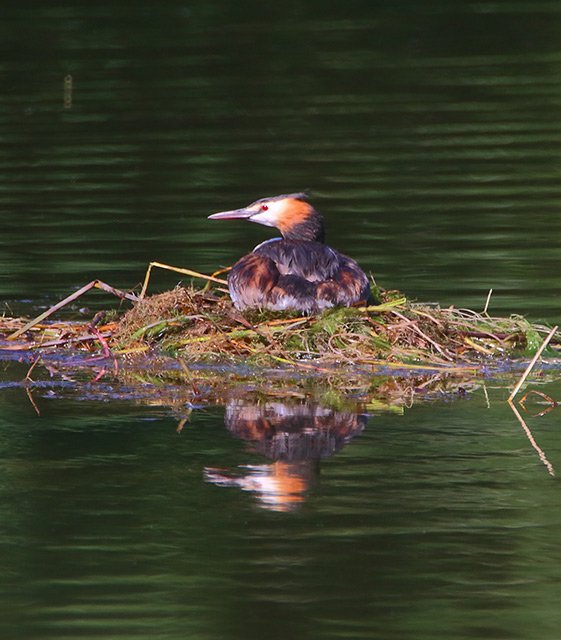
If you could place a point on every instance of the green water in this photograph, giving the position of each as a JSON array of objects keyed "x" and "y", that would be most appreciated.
[
  {"x": 441, "y": 522},
  {"x": 428, "y": 134}
]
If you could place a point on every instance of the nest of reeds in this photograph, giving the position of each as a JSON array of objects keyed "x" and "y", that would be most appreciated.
[{"x": 201, "y": 326}]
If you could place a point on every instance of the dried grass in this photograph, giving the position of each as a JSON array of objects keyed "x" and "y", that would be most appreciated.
[{"x": 201, "y": 325}]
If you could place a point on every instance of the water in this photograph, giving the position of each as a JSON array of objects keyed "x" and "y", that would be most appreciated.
[
  {"x": 428, "y": 134},
  {"x": 437, "y": 522}
]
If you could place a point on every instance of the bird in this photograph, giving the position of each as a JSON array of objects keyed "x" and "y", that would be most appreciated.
[{"x": 298, "y": 271}]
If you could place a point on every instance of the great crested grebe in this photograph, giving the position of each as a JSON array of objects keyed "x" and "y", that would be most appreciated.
[{"x": 297, "y": 271}]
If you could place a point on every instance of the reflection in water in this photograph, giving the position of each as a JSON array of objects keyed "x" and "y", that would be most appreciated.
[
  {"x": 295, "y": 437},
  {"x": 529, "y": 434}
]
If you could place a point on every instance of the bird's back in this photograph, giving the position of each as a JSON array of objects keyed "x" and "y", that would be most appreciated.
[{"x": 306, "y": 276}]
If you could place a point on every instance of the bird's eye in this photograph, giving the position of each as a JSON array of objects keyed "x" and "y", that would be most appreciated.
[{"x": 264, "y": 207}]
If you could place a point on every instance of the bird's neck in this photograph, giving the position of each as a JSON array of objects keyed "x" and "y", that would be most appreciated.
[{"x": 309, "y": 229}]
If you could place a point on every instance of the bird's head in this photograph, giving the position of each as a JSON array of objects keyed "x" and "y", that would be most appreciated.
[{"x": 291, "y": 214}]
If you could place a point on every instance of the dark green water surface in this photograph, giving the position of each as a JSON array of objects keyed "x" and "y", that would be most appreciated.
[
  {"x": 429, "y": 134},
  {"x": 441, "y": 522}
]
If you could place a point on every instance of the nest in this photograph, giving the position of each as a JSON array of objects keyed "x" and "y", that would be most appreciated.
[{"x": 201, "y": 325}]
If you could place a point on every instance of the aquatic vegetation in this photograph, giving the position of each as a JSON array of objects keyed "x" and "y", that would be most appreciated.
[
  {"x": 201, "y": 325},
  {"x": 189, "y": 347}
]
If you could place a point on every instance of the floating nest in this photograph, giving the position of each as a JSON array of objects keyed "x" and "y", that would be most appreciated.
[
  {"x": 189, "y": 346},
  {"x": 200, "y": 325}
]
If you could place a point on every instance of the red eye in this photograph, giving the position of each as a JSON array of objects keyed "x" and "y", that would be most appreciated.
[{"x": 264, "y": 207}]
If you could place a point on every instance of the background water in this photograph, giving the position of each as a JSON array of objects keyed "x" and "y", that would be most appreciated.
[
  {"x": 438, "y": 523},
  {"x": 429, "y": 136},
  {"x": 428, "y": 132}
]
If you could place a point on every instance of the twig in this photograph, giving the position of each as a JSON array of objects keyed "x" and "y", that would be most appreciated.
[
  {"x": 33, "y": 404},
  {"x": 534, "y": 444},
  {"x": 552, "y": 404},
  {"x": 181, "y": 424},
  {"x": 105, "y": 347},
  {"x": 429, "y": 381},
  {"x": 423, "y": 367},
  {"x": 478, "y": 347},
  {"x": 486, "y": 396},
  {"x": 426, "y": 315},
  {"x": 28, "y": 374},
  {"x": 99, "y": 375},
  {"x": 106, "y": 354},
  {"x": 66, "y": 341},
  {"x": 98, "y": 284},
  {"x": 423, "y": 334},
  {"x": 26, "y": 385},
  {"x": 217, "y": 273},
  {"x": 532, "y": 363},
  {"x": 385, "y": 306},
  {"x": 187, "y": 272},
  {"x": 484, "y": 312}
]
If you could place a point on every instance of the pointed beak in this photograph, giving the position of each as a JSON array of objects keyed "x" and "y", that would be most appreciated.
[{"x": 232, "y": 215}]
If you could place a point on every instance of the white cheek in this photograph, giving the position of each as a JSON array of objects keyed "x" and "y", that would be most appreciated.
[{"x": 266, "y": 217}]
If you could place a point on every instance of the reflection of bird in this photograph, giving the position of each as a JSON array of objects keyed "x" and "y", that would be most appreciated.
[
  {"x": 281, "y": 486},
  {"x": 297, "y": 271},
  {"x": 292, "y": 432},
  {"x": 296, "y": 436}
]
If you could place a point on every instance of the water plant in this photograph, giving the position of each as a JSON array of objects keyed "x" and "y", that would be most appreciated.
[{"x": 199, "y": 324}]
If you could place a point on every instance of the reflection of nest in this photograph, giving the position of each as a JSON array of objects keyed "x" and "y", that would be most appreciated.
[{"x": 293, "y": 432}]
